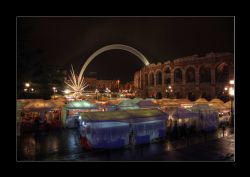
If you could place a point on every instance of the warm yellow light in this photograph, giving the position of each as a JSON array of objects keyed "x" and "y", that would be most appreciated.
[
  {"x": 231, "y": 91},
  {"x": 53, "y": 88},
  {"x": 27, "y": 84},
  {"x": 231, "y": 82},
  {"x": 225, "y": 88},
  {"x": 25, "y": 90},
  {"x": 32, "y": 89},
  {"x": 67, "y": 91},
  {"x": 170, "y": 87}
]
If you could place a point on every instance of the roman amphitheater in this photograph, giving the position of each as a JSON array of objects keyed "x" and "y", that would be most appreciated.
[{"x": 188, "y": 77}]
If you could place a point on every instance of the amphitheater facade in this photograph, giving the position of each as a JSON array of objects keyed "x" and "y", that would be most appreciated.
[{"x": 188, "y": 77}]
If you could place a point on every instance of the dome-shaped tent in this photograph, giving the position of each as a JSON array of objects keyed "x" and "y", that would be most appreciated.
[
  {"x": 228, "y": 104},
  {"x": 217, "y": 104},
  {"x": 201, "y": 101},
  {"x": 216, "y": 100}
]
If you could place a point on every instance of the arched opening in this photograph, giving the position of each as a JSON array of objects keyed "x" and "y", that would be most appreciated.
[
  {"x": 151, "y": 79},
  {"x": 190, "y": 75},
  {"x": 158, "y": 78},
  {"x": 177, "y": 75},
  {"x": 205, "y": 74},
  {"x": 178, "y": 95},
  {"x": 222, "y": 73},
  {"x": 167, "y": 78},
  {"x": 191, "y": 96},
  {"x": 158, "y": 95},
  {"x": 206, "y": 96}
]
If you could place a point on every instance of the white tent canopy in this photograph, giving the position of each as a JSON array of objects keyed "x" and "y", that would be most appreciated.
[{"x": 80, "y": 105}]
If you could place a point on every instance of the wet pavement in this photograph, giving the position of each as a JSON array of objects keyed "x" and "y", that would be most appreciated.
[{"x": 64, "y": 145}]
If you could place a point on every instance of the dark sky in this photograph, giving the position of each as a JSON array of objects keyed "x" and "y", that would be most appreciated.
[{"x": 72, "y": 40}]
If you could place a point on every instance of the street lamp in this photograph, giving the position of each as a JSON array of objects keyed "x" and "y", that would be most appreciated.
[
  {"x": 54, "y": 90},
  {"x": 27, "y": 85},
  {"x": 169, "y": 90},
  {"x": 118, "y": 81},
  {"x": 26, "y": 89}
]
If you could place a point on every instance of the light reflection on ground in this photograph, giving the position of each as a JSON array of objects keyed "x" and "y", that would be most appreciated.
[{"x": 64, "y": 145}]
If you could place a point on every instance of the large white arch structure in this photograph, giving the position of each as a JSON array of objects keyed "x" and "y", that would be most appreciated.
[{"x": 112, "y": 47}]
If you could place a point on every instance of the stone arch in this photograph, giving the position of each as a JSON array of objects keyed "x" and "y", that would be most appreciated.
[
  {"x": 158, "y": 77},
  {"x": 205, "y": 73},
  {"x": 222, "y": 72},
  {"x": 112, "y": 47},
  {"x": 178, "y": 75}
]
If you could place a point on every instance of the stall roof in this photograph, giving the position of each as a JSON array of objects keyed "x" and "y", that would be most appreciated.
[
  {"x": 147, "y": 103},
  {"x": 201, "y": 101},
  {"x": 40, "y": 104},
  {"x": 122, "y": 115},
  {"x": 80, "y": 105},
  {"x": 130, "y": 103},
  {"x": 216, "y": 100},
  {"x": 228, "y": 104}
]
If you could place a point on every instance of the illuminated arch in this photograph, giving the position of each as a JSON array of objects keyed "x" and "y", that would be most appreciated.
[{"x": 112, "y": 47}]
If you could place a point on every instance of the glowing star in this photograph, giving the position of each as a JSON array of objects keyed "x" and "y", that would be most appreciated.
[{"x": 76, "y": 84}]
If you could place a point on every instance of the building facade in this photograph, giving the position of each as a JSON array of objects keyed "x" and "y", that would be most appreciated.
[
  {"x": 101, "y": 85},
  {"x": 188, "y": 77}
]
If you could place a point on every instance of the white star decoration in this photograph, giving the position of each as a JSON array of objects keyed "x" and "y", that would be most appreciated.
[{"x": 77, "y": 85}]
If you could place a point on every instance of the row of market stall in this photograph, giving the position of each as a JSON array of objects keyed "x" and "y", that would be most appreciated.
[{"x": 119, "y": 122}]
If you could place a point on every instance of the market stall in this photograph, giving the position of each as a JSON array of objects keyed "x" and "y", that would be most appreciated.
[
  {"x": 43, "y": 111},
  {"x": 182, "y": 117},
  {"x": 208, "y": 117},
  {"x": 166, "y": 104},
  {"x": 128, "y": 104},
  {"x": 223, "y": 111},
  {"x": 72, "y": 110},
  {"x": 120, "y": 128},
  {"x": 184, "y": 103}
]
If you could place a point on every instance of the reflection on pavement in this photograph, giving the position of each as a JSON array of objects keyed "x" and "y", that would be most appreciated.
[{"x": 64, "y": 145}]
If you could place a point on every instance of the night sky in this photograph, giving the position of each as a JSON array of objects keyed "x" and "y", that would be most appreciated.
[{"x": 65, "y": 41}]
